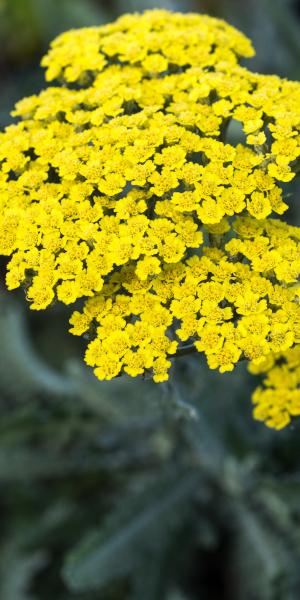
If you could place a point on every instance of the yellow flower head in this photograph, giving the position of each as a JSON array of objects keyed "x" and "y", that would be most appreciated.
[{"x": 118, "y": 187}]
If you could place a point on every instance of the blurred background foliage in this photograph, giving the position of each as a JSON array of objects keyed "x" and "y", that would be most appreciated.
[{"x": 130, "y": 490}]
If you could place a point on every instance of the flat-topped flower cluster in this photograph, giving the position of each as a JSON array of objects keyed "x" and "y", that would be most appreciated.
[{"x": 118, "y": 187}]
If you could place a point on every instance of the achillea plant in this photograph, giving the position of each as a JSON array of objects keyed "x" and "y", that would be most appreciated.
[{"x": 118, "y": 187}]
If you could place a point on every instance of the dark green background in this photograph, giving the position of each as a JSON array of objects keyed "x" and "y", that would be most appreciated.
[{"x": 131, "y": 490}]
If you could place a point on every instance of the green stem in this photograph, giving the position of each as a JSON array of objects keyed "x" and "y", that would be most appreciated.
[
  {"x": 185, "y": 350},
  {"x": 190, "y": 426}
]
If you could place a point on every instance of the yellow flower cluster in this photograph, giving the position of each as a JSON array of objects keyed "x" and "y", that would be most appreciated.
[
  {"x": 278, "y": 400},
  {"x": 117, "y": 186},
  {"x": 229, "y": 309}
]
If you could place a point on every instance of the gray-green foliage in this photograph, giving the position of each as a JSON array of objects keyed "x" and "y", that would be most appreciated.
[
  {"x": 138, "y": 527},
  {"x": 17, "y": 571},
  {"x": 128, "y": 491}
]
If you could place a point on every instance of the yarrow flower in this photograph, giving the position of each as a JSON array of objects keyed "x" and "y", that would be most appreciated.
[{"x": 118, "y": 188}]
